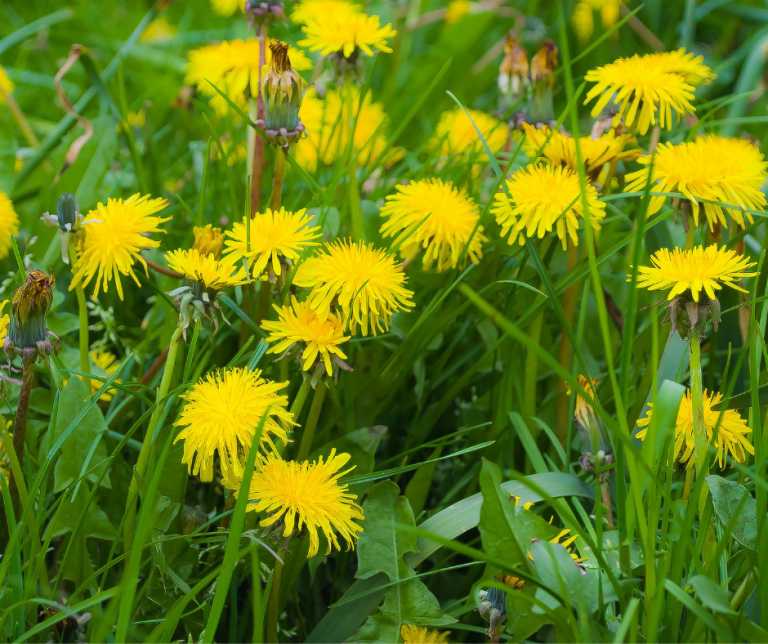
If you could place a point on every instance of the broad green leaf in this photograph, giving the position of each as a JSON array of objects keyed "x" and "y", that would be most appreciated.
[
  {"x": 726, "y": 497},
  {"x": 711, "y": 595}
]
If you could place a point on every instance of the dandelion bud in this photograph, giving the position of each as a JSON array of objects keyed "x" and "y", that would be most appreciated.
[
  {"x": 208, "y": 240},
  {"x": 513, "y": 73},
  {"x": 543, "y": 65},
  {"x": 282, "y": 93},
  {"x": 260, "y": 11},
  {"x": 28, "y": 335},
  {"x": 67, "y": 219},
  {"x": 595, "y": 449}
]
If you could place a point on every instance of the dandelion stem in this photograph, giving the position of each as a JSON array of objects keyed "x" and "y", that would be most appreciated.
[
  {"x": 82, "y": 308},
  {"x": 314, "y": 415},
  {"x": 277, "y": 180},
  {"x": 146, "y": 447},
  {"x": 274, "y": 603},
  {"x": 301, "y": 396},
  {"x": 258, "y": 143},
  {"x": 162, "y": 270},
  {"x": 354, "y": 188},
  {"x": 700, "y": 441},
  {"x": 20, "y": 429},
  {"x": 265, "y": 296}
]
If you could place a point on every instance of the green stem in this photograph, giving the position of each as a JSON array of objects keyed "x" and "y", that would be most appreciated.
[
  {"x": 700, "y": 440},
  {"x": 690, "y": 235},
  {"x": 277, "y": 179},
  {"x": 146, "y": 447},
  {"x": 274, "y": 602},
  {"x": 20, "y": 430},
  {"x": 354, "y": 188},
  {"x": 82, "y": 308},
  {"x": 265, "y": 295},
  {"x": 301, "y": 396},
  {"x": 314, "y": 415}
]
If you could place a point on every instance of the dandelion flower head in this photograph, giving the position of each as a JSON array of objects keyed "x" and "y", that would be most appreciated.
[
  {"x": 731, "y": 438},
  {"x": 456, "y": 135},
  {"x": 367, "y": 283},
  {"x": 685, "y": 64},
  {"x": 541, "y": 199},
  {"x": 730, "y": 172},
  {"x": 307, "y": 495},
  {"x": 222, "y": 413},
  {"x": 456, "y": 10},
  {"x": 9, "y": 224},
  {"x": 420, "y": 635},
  {"x": 159, "y": 30},
  {"x": 113, "y": 243},
  {"x": 344, "y": 32},
  {"x": 309, "y": 10},
  {"x": 583, "y": 20},
  {"x": 104, "y": 363},
  {"x": 6, "y": 84},
  {"x": 311, "y": 113},
  {"x": 205, "y": 270},
  {"x": 435, "y": 216},
  {"x": 5, "y": 320},
  {"x": 698, "y": 269},
  {"x": 583, "y": 410},
  {"x": 299, "y": 324},
  {"x": 208, "y": 240},
  {"x": 268, "y": 237},
  {"x": 227, "y": 7}
]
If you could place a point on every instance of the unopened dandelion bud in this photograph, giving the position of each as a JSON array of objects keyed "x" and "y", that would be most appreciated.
[
  {"x": 208, "y": 240},
  {"x": 67, "y": 219},
  {"x": 513, "y": 73},
  {"x": 28, "y": 335},
  {"x": 261, "y": 12},
  {"x": 543, "y": 66},
  {"x": 282, "y": 92}
]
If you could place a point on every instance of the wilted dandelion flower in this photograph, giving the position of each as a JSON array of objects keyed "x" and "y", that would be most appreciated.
[
  {"x": 221, "y": 414},
  {"x": 731, "y": 437},
  {"x": 227, "y": 7},
  {"x": 309, "y": 10},
  {"x": 419, "y": 635},
  {"x": 513, "y": 73},
  {"x": 6, "y": 84},
  {"x": 111, "y": 247},
  {"x": 730, "y": 172},
  {"x": 307, "y": 497},
  {"x": 543, "y": 198},
  {"x": 455, "y": 134},
  {"x": 644, "y": 92},
  {"x": 368, "y": 284},
  {"x": 456, "y": 10},
  {"x": 28, "y": 334},
  {"x": 437, "y": 217},
  {"x": 233, "y": 66},
  {"x": 695, "y": 270},
  {"x": 269, "y": 239},
  {"x": 208, "y": 240},
  {"x": 318, "y": 340},
  {"x": 345, "y": 32},
  {"x": 9, "y": 224},
  {"x": 560, "y": 150}
]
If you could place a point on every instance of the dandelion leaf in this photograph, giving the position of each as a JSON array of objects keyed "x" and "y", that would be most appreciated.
[
  {"x": 727, "y": 497},
  {"x": 562, "y": 578}
]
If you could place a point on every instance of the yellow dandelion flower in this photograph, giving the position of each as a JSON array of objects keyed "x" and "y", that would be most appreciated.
[
  {"x": 437, "y": 217},
  {"x": 583, "y": 411},
  {"x": 5, "y": 461},
  {"x": 685, "y": 64},
  {"x": 270, "y": 236},
  {"x": 159, "y": 30},
  {"x": 234, "y": 151},
  {"x": 309, "y": 496},
  {"x": 311, "y": 114},
  {"x": 9, "y": 224},
  {"x": 105, "y": 363},
  {"x": 299, "y": 324},
  {"x": 455, "y": 134},
  {"x": 543, "y": 198},
  {"x": 695, "y": 270},
  {"x": 560, "y": 150},
  {"x": 582, "y": 17},
  {"x": 567, "y": 545},
  {"x": 5, "y": 321},
  {"x": 227, "y": 7},
  {"x": 731, "y": 437},
  {"x": 419, "y": 635},
  {"x": 208, "y": 240},
  {"x": 6, "y": 84},
  {"x": 526, "y": 506},
  {"x": 309, "y": 10},
  {"x": 345, "y": 32},
  {"x": 206, "y": 270},
  {"x": 368, "y": 284},
  {"x": 644, "y": 92},
  {"x": 112, "y": 244},
  {"x": 730, "y": 172},
  {"x": 221, "y": 414},
  {"x": 456, "y": 10},
  {"x": 233, "y": 66}
]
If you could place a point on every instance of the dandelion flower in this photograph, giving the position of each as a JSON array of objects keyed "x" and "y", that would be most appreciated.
[
  {"x": 367, "y": 283},
  {"x": 643, "y": 91},
  {"x": 419, "y": 635},
  {"x": 543, "y": 198},
  {"x": 344, "y": 32},
  {"x": 104, "y": 361},
  {"x": 456, "y": 135},
  {"x": 560, "y": 149},
  {"x": 298, "y": 324},
  {"x": 582, "y": 17},
  {"x": 205, "y": 270},
  {"x": 583, "y": 411},
  {"x": 208, "y": 240},
  {"x": 309, "y": 10},
  {"x": 9, "y": 224},
  {"x": 222, "y": 413},
  {"x": 227, "y": 7},
  {"x": 299, "y": 496},
  {"x": 159, "y": 30},
  {"x": 697, "y": 269},
  {"x": 731, "y": 437},
  {"x": 270, "y": 236},
  {"x": 567, "y": 545},
  {"x": 5, "y": 321},
  {"x": 311, "y": 114},
  {"x": 437, "y": 217},
  {"x": 456, "y": 10},
  {"x": 233, "y": 66},
  {"x": 6, "y": 84},
  {"x": 685, "y": 64},
  {"x": 112, "y": 245},
  {"x": 730, "y": 172}
]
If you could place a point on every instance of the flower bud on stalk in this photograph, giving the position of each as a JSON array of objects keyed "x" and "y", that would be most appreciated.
[
  {"x": 596, "y": 452},
  {"x": 513, "y": 74},
  {"x": 541, "y": 108},
  {"x": 261, "y": 12},
  {"x": 28, "y": 335},
  {"x": 282, "y": 92},
  {"x": 67, "y": 219}
]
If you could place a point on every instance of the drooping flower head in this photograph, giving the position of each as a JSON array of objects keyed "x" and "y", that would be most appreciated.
[
  {"x": 368, "y": 284},
  {"x": 541, "y": 199},
  {"x": 456, "y": 136},
  {"x": 646, "y": 89},
  {"x": 560, "y": 149},
  {"x": 233, "y": 66},
  {"x": 437, "y": 217},
  {"x": 347, "y": 34},
  {"x": 222, "y": 413},
  {"x": 112, "y": 246},
  {"x": 544, "y": 63},
  {"x": 282, "y": 92},
  {"x": 9, "y": 224},
  {"x": 729, "y": 172},
  {"x": 208, "y": 240},
  {"x": 6, "y": 84},
  {"x": 513, "y": 73},
  {"x": 731, "y": 435},
  {"x": 420, "y": 635},
  {"x": 306, "y": 497},
  {"x": 317, "y": 341},
  {"x": 310, "y": 10},
  {"x": 204, "y": 278},
  {"x": 270, "y": 240},
  {"x": 28, "y": 334}
]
